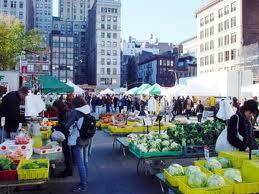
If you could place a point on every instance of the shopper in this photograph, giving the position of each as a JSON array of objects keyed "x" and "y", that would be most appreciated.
[
  {"x": 235, "y": 104},
  {"x": 115, "y": 103},
  {"x": 188, "y": 107},
  {"x": 199, "y": 110},
  {"x": 240, "y": 131},
  {"x": 10, "y": 109}
]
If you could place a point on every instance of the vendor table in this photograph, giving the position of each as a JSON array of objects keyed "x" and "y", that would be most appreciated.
[
  {"x": 165, "y": 186},
  {"x": 123, "y": 143}
]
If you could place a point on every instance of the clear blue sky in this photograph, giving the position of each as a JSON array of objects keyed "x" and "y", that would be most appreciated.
[{"x": 169, "y": 20}]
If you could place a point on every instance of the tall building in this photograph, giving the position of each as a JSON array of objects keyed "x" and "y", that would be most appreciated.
[
  {"x": 22, "y": 9},
  {"x": 104, "y": 43},
  {"x": 76, "y": 10},
  {"x": 190, "y": 46},
  {"x": 224, "y": 27},
  {"x": 43, "y": 17}
]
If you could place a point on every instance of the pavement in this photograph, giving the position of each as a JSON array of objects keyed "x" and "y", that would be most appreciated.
[{"x": 109, "y": 173}]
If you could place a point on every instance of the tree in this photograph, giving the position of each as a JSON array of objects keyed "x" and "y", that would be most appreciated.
[{"x": 14, "y": 40}]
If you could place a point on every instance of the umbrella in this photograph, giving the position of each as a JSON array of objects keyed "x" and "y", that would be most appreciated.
[
  {"x": 107, "y": 91},
  {"x": 141, "y": 89}
]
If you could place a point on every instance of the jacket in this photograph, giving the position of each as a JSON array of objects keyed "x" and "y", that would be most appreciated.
[
  {"x": 245, "y": 130},
  {"x": 10, "y": 109}
]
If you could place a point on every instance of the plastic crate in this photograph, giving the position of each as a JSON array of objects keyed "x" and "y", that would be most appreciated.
[
  {"x": 173, "y": 180},
  {"x": 139, "y": 154},
  {"x": 186, "y": 189},
  {"x": 197, "y": 150},
  {"x": 9, "y": 175},
  {"x": 250, "y": 170},
  {"x": 46, "y": 134},
  {"x": 201, "y": 164},
  {"x": 29, "y": 174}
]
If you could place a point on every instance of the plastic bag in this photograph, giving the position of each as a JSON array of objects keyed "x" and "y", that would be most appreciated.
[
  {"x": 22, "y": 138},
  {"x": 58, "y": 136}
]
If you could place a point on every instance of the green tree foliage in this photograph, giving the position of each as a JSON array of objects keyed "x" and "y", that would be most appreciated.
[{"x": 14, "y": 40}]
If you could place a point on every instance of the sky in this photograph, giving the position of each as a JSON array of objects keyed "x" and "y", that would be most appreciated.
[{"x": 168, "y": 20}]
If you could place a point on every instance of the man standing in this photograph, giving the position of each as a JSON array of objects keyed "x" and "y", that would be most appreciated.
[
  {"x": 199, "y": 111},
  {"x": 10, "y": 109},
  {"x": 188, "y": 107}
]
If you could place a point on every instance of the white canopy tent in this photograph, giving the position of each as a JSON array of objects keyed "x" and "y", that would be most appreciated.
[
  {"x": 251, "y": 90},
  {"x": 131, "y": 91},
  {"x": 77, "y": 89},
  {"x": 120, "y": 90},
  {"x": 107, "y": 91}
]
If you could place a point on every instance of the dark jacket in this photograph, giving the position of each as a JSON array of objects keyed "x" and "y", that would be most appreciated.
[
  {"x": 245, "y": 130},
  {"x": 10, "y": 109},
  {"x": 199, "y": 109}
]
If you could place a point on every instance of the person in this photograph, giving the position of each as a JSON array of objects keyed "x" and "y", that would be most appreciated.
[
  {"x": 99, "y": 105},
  {"x": 10, "y": 109},
  {"x": 93, "y": 103},
  {"x": 178, "y": 106},
  {"x": 199, "y": 110},
  {"x": 115, "y": 103},
  {"x": 62, "y": 111},
  {"x": 255, "y": 122},
  {"x": 188, "y": 106},
  {"x": 80, "y": 148},
  {"x": 235, "y": 104},
  {"x": 240, "y": 131}
]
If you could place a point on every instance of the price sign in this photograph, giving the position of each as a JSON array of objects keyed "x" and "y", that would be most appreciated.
[
  {"x": 206, "y": 152},
  {"x": 148, "y": 121}
]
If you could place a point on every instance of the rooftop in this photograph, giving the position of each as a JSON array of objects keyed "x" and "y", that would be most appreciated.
[{"x": 209, "y": 4}]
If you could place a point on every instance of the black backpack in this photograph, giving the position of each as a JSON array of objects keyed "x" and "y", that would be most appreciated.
[{"x": 88, "y": 128}]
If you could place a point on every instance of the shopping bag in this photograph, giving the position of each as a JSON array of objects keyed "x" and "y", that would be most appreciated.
[{"x": 58, "y": 136}]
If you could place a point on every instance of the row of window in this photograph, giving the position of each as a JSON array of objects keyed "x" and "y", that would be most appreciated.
[
  {"x": 109, "y": 35},
  {"x": 221, "y": 26},
  {"x": 13, "y": 4},
  {"x": 30, "y": 68},
  {"x": 166, "y": 63},
  {"x": 108, "y": 52},
  {"x": 109, "y": 10},
  {"x": 108, "y": 71},
  {"x": 109, "y": 27},
  {"x": 224, "y": 40},
  {"x": 109, "y": 18},
  {"x": 222, "y": 57},
  {"x": 108, "y": 61},
  {"x": 108, "y": 44},
  {"x": 221, "y": 12},
  {"x": 219, "y": 69},
  {"x": 41, "y": 5}
]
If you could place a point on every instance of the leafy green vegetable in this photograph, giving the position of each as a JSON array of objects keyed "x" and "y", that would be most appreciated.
[
  {"x": 192, "y": 170},
  {"x": 213, "y": 164},
  {"x": 176, "y": 170},
  {"x": 197, "y": 180},
  {"x": 225, "y": 163},
  {"x": 216, "y": 181},
  {"x": 233, "y": 175}
]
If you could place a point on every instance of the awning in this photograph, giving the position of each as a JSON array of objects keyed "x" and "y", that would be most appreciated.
[
  {"x": 107, "y": 91},
  {"x": 141, "y": 89},
  {"x": 131, "y": 91},
  {"x": 77, "y": 89},
  {"x": 153, "y": 90}
]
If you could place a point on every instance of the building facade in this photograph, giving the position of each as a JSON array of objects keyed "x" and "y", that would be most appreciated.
[
  {"x": 76, "y": 10},
  {"x": 43, "y": 17},
  {"x": 104, "y": 43},
  {"x": 21, "y": 9},
  {"x": 224, "y": 27},
  {"x": 190, "y": 46}
]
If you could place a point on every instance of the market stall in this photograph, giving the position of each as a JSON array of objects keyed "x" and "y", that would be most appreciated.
[
  {"x": 77, "y": 89},
  {"x": 107, "y": 91}
]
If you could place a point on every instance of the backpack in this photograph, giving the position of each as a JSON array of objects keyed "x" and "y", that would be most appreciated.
[{"x": 88, "y": 127}]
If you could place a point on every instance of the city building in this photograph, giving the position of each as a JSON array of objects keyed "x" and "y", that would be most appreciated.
[
  {"x": 223, "y": 28},
  {"x": 186, "y": 66},
  {"x": 76, "y": 10},
  {"x": 159, "y": 69},
  {"x": 189, "y": 47},
  {"x": 77, "y": 30},
  {"x": 22, "y": 9},
  {"x": 43, "y": 17},
  {"x": 104, "y": 43}
]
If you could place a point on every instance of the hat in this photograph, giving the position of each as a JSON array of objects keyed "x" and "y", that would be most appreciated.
[{"x": 252, "y": 106}]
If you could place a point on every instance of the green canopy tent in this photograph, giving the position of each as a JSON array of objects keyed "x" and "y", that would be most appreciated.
[
  {"x": 141, "y": 89},
  {"x": 153, "y": 90},
  {"x": 52, "y": 85}
]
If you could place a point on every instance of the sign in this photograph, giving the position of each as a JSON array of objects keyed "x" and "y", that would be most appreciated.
[
  {"x": 148, "y": 121},
  {"x": 206, "y": 152}
]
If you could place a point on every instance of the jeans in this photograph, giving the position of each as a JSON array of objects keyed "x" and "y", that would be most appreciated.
[
  {"x": 80, "y": 154},
  {"x": 99, "y": 110},
  {"x": 188, "y": 113},
  {"x": 67, "y": 156},
  {"x": 199, "y": 116}
]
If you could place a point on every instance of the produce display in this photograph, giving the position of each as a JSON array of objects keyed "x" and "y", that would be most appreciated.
[
  {"x": 196, "y": 133},
  {"x": 22, "y": 138},
  {"x": 213, "y": 164},
  {"x": 35, "y": 165},
  {"x": 197, "y": 180},
  {"x": 7, "y": 164},
  {"x": 215, "y": 181},
  {"x": 233, "y": 175},
  {"x": 16, "y": 155}
]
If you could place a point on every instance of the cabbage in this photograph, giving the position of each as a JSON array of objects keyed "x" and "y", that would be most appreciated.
[
  {"x": 164, "y": 136},
  {"x": 192, "y": 170},
  {"x": 142, "y": 147},
  {"x": 213, "y": 164},
  {"x": 174, "y": 146},
  {"x": 166, "y": 149},
  {"x": 165, "y": 143},
  {"x": 153, "y": 150},
  {"x": 225, "y": 163},
  {"x": 197, "y": 180},
  {"x": 176, "y": 170},
  {"x": 233, "y": 174},
  {"x": 216, "y": 181}
]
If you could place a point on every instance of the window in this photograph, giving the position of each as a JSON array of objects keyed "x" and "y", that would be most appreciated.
[
  {"x": 220, "y": 57},
  {"x": 20, "y": 15},
  {"x": 103, "y": 43},
  {"x": 233, "y": 54},
  {"x": 109, "y": 52},
  {"x": 115, "y": 19},
  {"x": 102, "y": 61},
  {"x": 233, "y": 22},
  {"x": 206, "y": 60},
  {"x": 114, "y": 27},
  {"x": 108, "y": 71},
  {"x": 211, "y": 30},
  {"x": 211, "y": 44},
  {"x": 202, "y": 34},
  {"x": 207, "y": 33},
  {"x": 226, "y": 55},
  {"x": 109, "y": 43},
  {"x": 108, "y": 61},
  {"x": 202, "y": 61},
  {"x": 109, "y": 35},
  {"x": 114, "y": 44},
  {"x": 102, "y": 35},
  {"x": 201, "y": 48},
  {"x": 206, "y": 46},
  {"x": 103, "y": 18},
  {"x": 114, "y": 71},
  {"x": 211, "y": 59},
  {"x": 114, "y": 52},
  {"x": 21, "y": 5},
  {"x": 226, "y": 10},
  {"x": 5, "y": 3},
  {"x": 13, "y": 4},
  {"x": 114, "y": 61},
  {"x": 114, "y": 35},
  {"x": 108, "y": 18},
  {"x": 102, "y": 52},
  {"x": 102, "y": 71},
  {"x": 108, "y": 26},
  {"x": 226, "y": 24},
  {"x": 220, "y": 41},
  {"x": 102, "y": 26},
  {"x": 220, "y": 26},
  {"x": 226, "y": 39},
  {"x": 233, "y": 38},
  {"x": 220, "y": 13},
  {"x": 211, "y": 17},
  {"x": 233, "y": 6},
  {"x": 206, "y": 19},
  {"x": 202, "y": 22}
]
